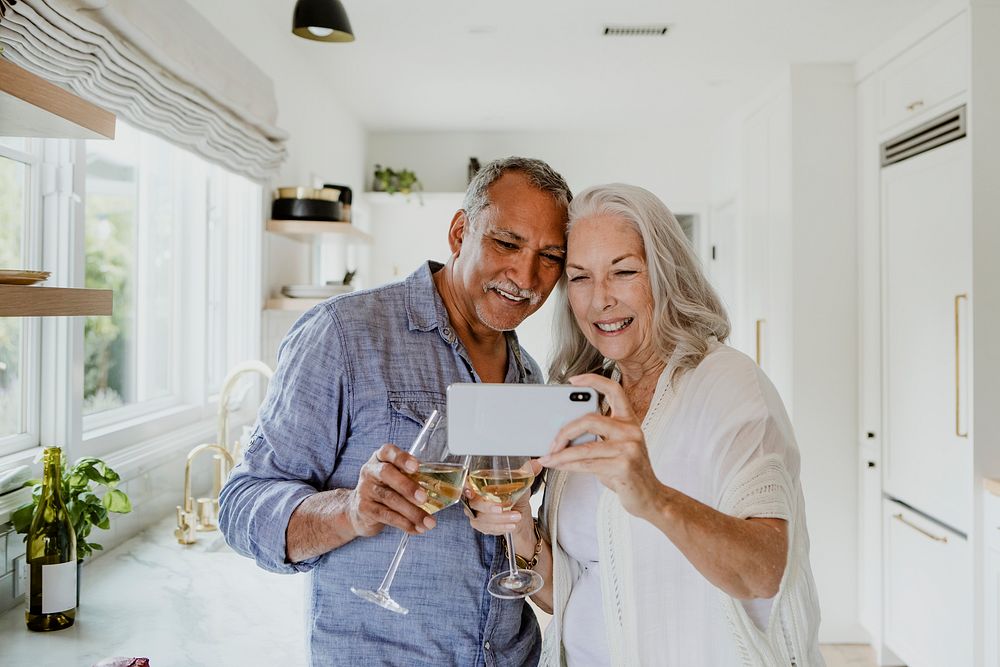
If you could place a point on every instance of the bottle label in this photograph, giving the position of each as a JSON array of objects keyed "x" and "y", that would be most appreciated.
[{"x": 58, "y": 587}]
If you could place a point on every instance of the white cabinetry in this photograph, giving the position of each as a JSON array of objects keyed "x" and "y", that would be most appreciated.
[
  {"x": 927, "y": 228},
  {"x": 991, "y": 589},
  {"x": 408, "y": 230},
  {"x": 928, "y": 620},
  {"x": 937, "y": 320},
  {"x": 924, "y": 79}
]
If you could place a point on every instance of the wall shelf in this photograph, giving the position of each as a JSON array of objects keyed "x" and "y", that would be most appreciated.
[
  {"x": 30, "y": 106},
  {"x": 306, "y": 230},
  {"x": 291, "y": 305},
  {"x": 25, "y": 301}
]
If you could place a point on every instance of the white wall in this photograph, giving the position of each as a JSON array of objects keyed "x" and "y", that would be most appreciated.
[
  {"x": 672, "y": 163},
  {"x": 327, "y": 142}
]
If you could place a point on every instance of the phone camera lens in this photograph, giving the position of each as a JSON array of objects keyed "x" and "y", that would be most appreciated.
[{"x": 579, "y": 396}]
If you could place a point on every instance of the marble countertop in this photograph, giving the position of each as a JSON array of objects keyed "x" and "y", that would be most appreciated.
[{"x": 178, "y": 606}]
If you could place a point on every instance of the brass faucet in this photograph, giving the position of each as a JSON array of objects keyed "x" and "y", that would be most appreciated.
[
  {"x": 206, "y": 517},
  {"x": 208, "y": 508}
]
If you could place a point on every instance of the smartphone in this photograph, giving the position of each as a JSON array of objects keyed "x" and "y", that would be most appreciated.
[{"x": 513, "y": 419}]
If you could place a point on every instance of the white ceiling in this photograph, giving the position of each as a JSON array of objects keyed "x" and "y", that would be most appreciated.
[{"x": 544, "y": 64}]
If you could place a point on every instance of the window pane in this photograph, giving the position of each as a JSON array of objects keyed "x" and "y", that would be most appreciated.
[
  {"x": 16, "y": 143},
  {"x": 12, "y": 218},
  {"x": 132, "y": 194}
]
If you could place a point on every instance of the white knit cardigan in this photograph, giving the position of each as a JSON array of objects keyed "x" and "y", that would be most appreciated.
[{"x": 725, "y": 423}]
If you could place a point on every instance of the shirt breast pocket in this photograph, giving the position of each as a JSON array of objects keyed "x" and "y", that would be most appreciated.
[{"x": 408, "y": 410}]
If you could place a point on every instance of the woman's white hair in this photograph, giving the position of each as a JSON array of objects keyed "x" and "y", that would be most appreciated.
[{"x": 687, "y": 313}]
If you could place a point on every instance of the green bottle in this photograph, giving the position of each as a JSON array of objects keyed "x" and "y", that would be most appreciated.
[{"x": 51, "y": 554}]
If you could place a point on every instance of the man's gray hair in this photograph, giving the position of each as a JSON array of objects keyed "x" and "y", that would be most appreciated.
[{"x": 538, "y": 173}]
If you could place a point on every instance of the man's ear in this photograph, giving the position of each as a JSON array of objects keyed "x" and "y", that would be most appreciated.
[{"x": 457, "y": 231}]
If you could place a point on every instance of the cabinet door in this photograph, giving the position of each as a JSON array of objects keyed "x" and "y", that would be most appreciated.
[
  {"x": 870, "y": 546},
  {"x": 927, "y": 241},
  {"x": 928, "y": 595},
  {"x": 756, "y": 235},
  {"x": 406, "y": 232},
  {"x": 927, "y": 78},
  {"x": 991, "y": 580},
  {"x": 991, "y": 619}
]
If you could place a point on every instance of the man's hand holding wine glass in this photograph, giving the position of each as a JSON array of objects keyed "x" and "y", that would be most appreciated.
[{"x": 386, "y": 495}]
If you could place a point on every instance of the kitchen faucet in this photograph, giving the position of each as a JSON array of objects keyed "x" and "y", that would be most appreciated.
[{"x": 225, "y": 458}]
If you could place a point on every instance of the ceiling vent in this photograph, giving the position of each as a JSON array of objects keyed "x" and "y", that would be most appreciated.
[
  {"x": 942, "y": 130},
  {"x": 636, "y": 30}
]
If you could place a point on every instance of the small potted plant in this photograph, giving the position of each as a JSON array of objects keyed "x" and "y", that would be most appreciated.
[
  {"x": 387, "y": 179},
  {"x": 86, "y": 508}
]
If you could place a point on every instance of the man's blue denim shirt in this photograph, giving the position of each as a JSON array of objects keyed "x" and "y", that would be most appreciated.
[{"x": 355, "y": 372}]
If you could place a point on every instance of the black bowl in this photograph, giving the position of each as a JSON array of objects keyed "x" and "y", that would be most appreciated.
[{"x": 306, "y": 209}]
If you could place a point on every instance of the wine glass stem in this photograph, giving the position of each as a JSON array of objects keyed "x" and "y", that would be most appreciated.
[
  {"x": 391, "y": 572},
  {"x": 510, "y": 553}
]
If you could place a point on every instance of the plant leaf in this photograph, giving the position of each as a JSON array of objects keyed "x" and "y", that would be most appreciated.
[
  {"x": 21, "y": 517},
  {"x": 116, "y": 501}
]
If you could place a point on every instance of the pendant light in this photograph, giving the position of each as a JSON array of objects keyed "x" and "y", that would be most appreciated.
[{"x": 322, "y": 20}]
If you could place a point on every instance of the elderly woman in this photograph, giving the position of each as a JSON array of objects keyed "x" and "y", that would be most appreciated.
[{"x": 679, "y": 537}]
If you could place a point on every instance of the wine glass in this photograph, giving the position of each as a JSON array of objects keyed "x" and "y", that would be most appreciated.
[
  {"x": 503, "y": 480},
  {"x": 442, "y": 476}
]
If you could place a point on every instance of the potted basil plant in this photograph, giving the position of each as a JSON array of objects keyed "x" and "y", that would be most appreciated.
[{"x": 86, "y": 509}]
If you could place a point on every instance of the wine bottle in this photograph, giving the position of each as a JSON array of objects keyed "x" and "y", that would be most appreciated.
[{"x": 51, "y": 554}]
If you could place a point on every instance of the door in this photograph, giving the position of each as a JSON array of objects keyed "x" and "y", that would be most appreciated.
[{"x": 927, "y": 242}]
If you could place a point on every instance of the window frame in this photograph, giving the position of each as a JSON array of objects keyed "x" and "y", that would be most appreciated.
[
  {"x": 55, "y": 395},
  {"x": 31, "y": 333}
]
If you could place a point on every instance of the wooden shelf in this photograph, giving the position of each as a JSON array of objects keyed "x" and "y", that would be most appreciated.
[
  {"x": 294, "y": 305},
  {"x": 26, "y": 301},
  {"x": 304, "y": 230},
  {"x": 30, "y": 106}
]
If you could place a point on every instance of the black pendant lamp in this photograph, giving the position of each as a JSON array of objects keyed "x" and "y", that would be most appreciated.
[{"x": 322, "y": 20}]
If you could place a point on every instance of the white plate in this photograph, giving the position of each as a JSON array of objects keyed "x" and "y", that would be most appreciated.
[{"x": 314, "y": 291}]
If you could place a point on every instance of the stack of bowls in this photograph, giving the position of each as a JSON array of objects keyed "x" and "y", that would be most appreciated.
[{"x": 299, "y": 203}]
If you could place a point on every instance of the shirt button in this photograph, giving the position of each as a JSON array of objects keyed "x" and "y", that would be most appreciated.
[{"x": 486, "y": 646}]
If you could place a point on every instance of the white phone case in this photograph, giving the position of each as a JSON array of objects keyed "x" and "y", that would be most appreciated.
[{"x": 513, "y": 419}]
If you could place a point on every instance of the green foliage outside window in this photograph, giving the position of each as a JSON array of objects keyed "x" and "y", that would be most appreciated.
[
  {"x": 109, "y": 265},
  {"x": 11, "y": 225}
]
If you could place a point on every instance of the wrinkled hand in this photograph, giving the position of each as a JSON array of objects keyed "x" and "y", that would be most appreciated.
[
  {"x": 492, "y": 519},
  {"x": 619, "y": 458},
  {"x": 385, "y": 496}
]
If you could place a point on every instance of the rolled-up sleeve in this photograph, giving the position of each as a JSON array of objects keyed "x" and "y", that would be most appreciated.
[{"x": 301, "y": 428}]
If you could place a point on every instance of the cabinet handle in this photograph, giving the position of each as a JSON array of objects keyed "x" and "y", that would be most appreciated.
[
  {"x": 914, "y": 105},
  {"x": 958, "y": 372},
  {"x": 899, "y": 517},
  {"x": 757, "y": 345}
]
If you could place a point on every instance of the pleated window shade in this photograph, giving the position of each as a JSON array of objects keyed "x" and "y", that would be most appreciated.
[{"x": 161, "y": 66}]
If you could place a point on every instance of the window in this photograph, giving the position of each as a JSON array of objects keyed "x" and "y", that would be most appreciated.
[
  {"x": 178, "y": 242},
  {"x": 18, "y": 336}
]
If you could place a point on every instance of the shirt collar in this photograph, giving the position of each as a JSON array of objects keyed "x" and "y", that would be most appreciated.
[{"x": 425, "y": 311}]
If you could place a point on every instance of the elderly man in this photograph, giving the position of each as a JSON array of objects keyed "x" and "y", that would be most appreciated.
[{"x": 318, "y": 484}]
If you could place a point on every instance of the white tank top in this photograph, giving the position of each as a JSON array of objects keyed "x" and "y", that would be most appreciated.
[{"x": 583, "y": 633}]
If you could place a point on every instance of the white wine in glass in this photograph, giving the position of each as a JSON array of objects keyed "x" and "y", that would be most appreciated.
[
  {"x": 442, "y": 476},
  {"x": 503, "y": 480}
]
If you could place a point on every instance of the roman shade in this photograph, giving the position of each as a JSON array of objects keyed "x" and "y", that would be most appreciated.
[{"x": 160, "y": 66}]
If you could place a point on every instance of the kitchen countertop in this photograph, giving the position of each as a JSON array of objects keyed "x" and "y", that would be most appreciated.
[{"x": 178, "y": 606}]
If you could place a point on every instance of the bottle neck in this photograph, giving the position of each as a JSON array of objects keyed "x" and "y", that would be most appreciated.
[{"x": 52, "y": 471}]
